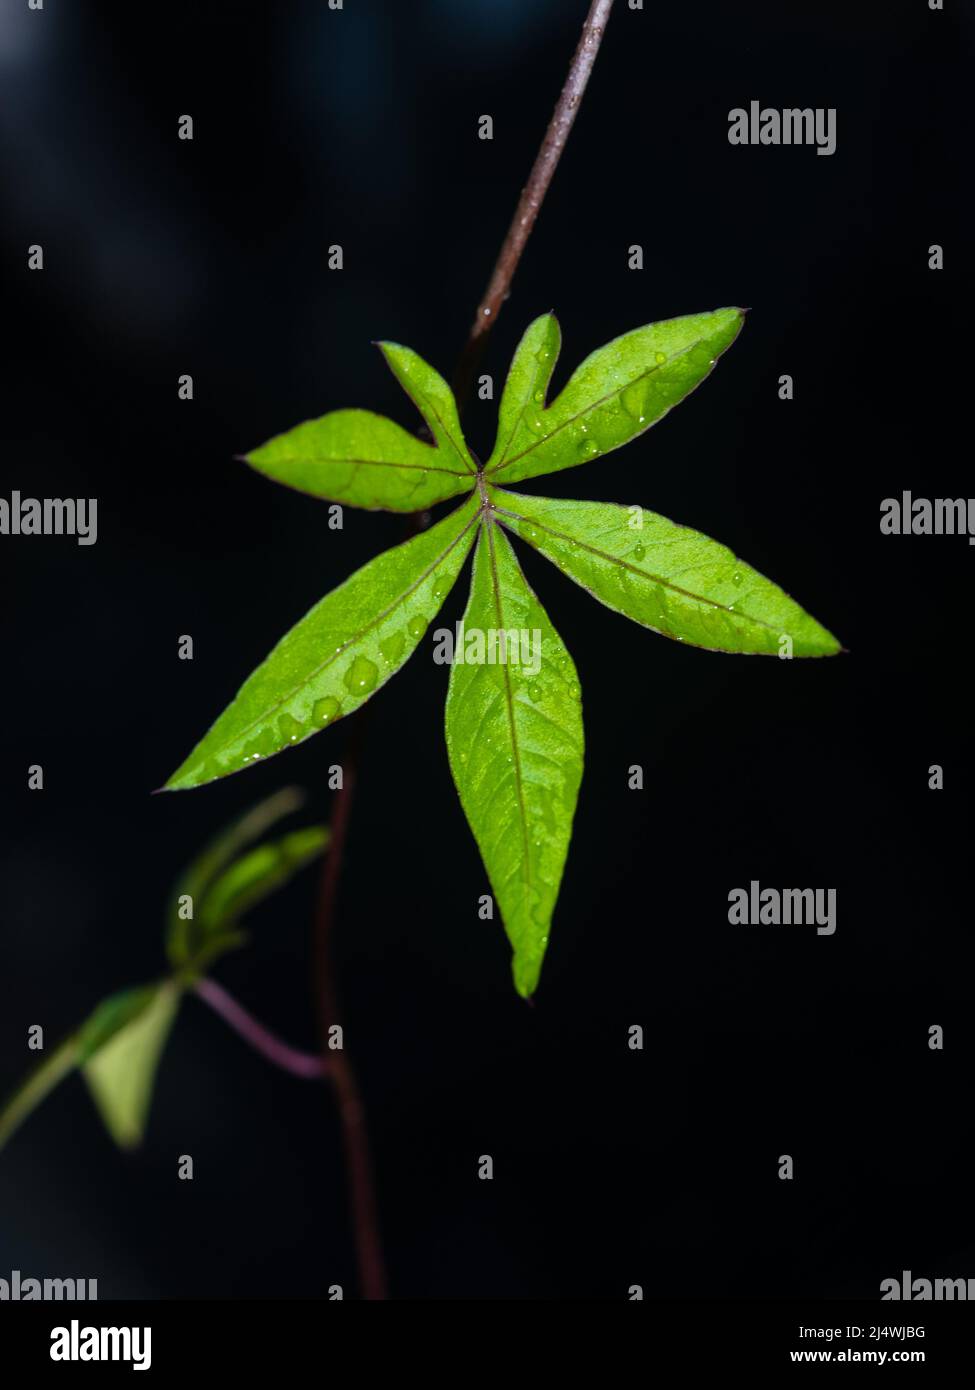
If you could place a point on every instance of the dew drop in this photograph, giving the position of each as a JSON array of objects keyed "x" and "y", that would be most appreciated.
[
  {"x": 535, "y": 691},
  {"x": 660, "y": 358},
  {"x": 639, "y": 551},
  {"x": 289, "y": 728},
  {"x": 416, "y": 627},
  {"x": 737, "y": 577},
  {"x": 360, "y": 678},
  {"x": 391, "y": 649},
  {"x": 575, "y": 690},
  {"x": 634, "y": 400},
  {"x": 535, "y": 423},
  {"x": 324, "y": 711}
]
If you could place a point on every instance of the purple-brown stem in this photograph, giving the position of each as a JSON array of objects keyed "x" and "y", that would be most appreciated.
[
  {"x": 305, "y": 1064},
  {"x": 363, "y": 1203}
]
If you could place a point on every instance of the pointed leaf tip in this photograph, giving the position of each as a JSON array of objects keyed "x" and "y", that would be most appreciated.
[
  {"x": 344, "y": 650},
  {"x": 515, "y": 742},
  {"x": 667, "y": 577}
]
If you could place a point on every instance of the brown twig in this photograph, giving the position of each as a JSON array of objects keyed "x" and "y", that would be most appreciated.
[
  {"x": 355, "y": 1140},
  {"x": 532, "y": 197}
]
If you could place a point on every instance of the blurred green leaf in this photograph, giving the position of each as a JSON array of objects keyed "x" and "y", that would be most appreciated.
[
  {"x": 258, "y": 873},
  {"x": 121, "y": 1070},
  {"x": 122, "y": 1026},
  {"x": 205, "y": 890},
  {"x": 38, "y": 1086},
  {"x": 119, "y": 1045}
]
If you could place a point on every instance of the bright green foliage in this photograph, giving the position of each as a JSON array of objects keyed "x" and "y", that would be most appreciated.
[
  {"x": 340, "y": 653},
  {"x": 363, "y": 460},
  {"x": 119, "y": 1045},
  {"x": 514, "y": 740},
  {"x": 665, "y": 576},
  {"x": 619, "y": 391},
  {"x": 514, "y": 736},
  {"x": 434, "y": 400}
]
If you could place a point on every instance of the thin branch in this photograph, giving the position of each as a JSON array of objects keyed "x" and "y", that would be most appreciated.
[
  {"x": 355, "y": 1138},
  {"x": 532, "y": 196},
  {"x": 261, "y": 1039},
  {"x": 365, "y": 1220}
]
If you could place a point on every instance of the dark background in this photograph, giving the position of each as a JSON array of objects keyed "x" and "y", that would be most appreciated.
[{"x": 163, "y": 257}]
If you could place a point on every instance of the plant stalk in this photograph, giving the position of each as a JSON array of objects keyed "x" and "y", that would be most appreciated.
[
  {"x": 532, "y": 197},
  {"x": 355, "y": 1140},
  {"x": 261, "y": 1039}
]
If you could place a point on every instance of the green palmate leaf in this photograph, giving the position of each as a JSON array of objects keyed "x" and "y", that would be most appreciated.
[
  {"x": 435, "y": 402},
  {"x": 619, "y": 391},
  {"x": 340, "y": 653},
  {"x": 222, "y": 884},
  {"x": 363, "y": 460},
  {"x": 121, "y": 1071},
  {"x": 515, "y": 742},
  {"x": 665, "y": 576}
]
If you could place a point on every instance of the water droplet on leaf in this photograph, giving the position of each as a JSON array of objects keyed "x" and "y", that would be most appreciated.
[
  {"x": 325, "y": 710},
  {"x": 634, "y": 400},
  {"x": 360, "y": 678},
  {"x": 391, "y": 648},
  {"x": 289, "y": 728}
]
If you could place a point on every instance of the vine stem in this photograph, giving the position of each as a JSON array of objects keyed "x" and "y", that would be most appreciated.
[
  {"x": 532, "y": 196},
  {"x": 364, "y": 1207},
  {"x": 262, "y": 1040}
]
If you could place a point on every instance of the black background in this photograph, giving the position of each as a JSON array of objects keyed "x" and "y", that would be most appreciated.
[{"x": 162, "y": 257}]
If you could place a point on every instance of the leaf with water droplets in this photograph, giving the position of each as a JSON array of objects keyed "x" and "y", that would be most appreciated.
[
  {"x": 363, "y": 460},
  {"x": 665, "y": 576},
  {"x": 338, "y": 655},
  {"x": 515, "y": 743},
  {"x": 619, "y": 391},
  {"x": 523, "y": 397},
  {"x": 435, "y": 402}
]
